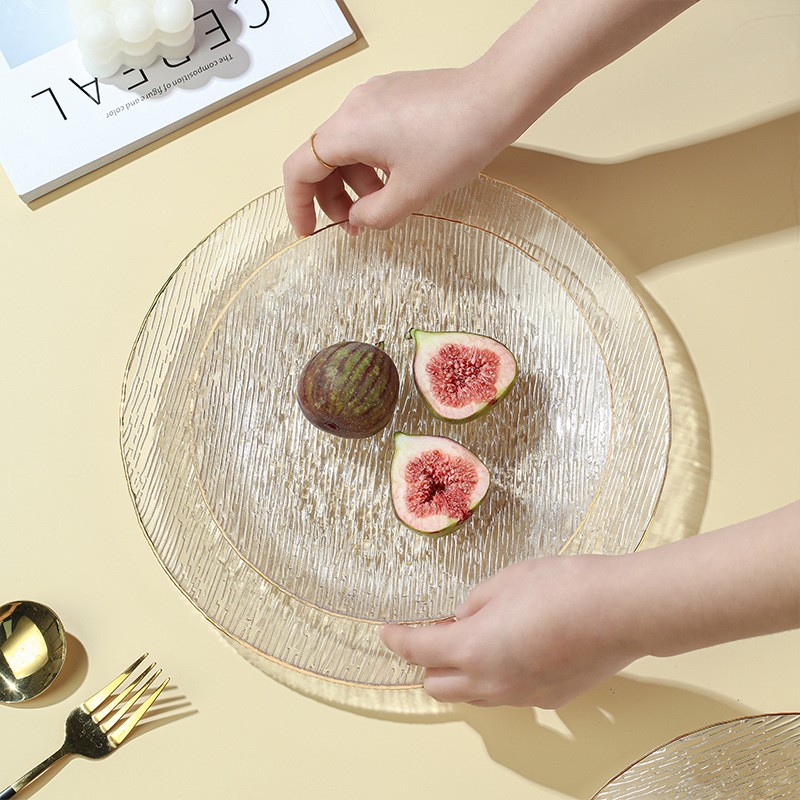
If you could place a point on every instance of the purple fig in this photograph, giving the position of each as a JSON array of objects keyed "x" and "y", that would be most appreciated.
[{"x": 349, "y": 389}]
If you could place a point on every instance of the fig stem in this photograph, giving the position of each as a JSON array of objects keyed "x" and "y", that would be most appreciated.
[{"x": 410, "y": 334}]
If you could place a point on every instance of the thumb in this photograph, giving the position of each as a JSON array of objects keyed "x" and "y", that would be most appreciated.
[
  {"x": 386, "y": 207},
  {"x": 428, "y": 645}
]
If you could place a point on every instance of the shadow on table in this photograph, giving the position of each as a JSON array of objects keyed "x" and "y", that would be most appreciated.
[
  {"x": 598, "y": 735},
  {"x": 574, "y": 750},
  {"x": 679, "y": 513},
  {"x": 666, "y": 206}
]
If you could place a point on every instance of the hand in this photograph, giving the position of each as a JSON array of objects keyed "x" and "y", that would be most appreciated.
[
  {"x": 543, "y": 631},
  {"x": 536, "y": 634},
  {"x": 433, "y": 130},
  {"x": 426, "y": 130}
]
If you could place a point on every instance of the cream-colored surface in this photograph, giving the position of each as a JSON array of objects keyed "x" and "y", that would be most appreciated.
[{"x": 705, "y": 226}]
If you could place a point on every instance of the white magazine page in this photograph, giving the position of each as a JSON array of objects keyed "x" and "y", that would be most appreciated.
[{"x": 59, "y": 122}]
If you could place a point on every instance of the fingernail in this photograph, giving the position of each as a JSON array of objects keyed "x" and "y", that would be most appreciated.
[{"x": 353, "y": 218}]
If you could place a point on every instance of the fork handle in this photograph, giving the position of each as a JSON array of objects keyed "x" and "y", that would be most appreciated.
[{"x": 34, "y": 773}]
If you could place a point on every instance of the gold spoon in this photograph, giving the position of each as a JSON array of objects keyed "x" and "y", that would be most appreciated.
[{"x": 32, "y": 649}]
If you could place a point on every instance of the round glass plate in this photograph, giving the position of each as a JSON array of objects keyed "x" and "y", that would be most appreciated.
[
  {"x": 311, "y": 511},
  {"x": 283, "y": 536},
  {"x": 751, "y": 758}
]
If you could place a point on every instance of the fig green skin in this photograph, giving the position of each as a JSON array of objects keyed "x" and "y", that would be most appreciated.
[
  {"x": 349, "y": 389},
  {"x": 458, "y": 421},
  {"x": 481, "y": 412},
  {"x": 450, "y": 528},
  {"x": 438, "y": 534}
]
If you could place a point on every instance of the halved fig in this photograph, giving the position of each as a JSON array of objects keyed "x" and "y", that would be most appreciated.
[
  {"x": 461, "y": 375},
  {"x": 436, "y": 483}
]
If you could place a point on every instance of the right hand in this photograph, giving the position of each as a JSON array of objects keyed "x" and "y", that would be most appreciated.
[{"x": 538, "y": 633}]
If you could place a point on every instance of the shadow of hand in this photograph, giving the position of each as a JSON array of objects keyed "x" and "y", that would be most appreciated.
[
  {"x": 578, "y": 748},
  {"x": 662, "y": 207}
]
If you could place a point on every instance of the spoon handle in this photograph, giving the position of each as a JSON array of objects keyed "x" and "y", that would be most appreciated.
[{"x": 34, "y": 773}]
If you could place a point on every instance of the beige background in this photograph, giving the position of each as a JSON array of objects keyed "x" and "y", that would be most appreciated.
[{"x": 680, "y": 161}]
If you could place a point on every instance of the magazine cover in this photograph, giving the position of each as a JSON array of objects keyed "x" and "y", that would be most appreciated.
[{"x": 59, "y": 122}]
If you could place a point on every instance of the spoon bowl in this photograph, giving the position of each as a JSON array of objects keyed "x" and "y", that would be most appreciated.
[{"x": 33, "y": 646}]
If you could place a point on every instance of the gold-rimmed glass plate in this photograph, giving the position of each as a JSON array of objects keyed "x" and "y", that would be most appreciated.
[
  {"x": 282, "y": 535},
  {"x": 750, "y": 758},
  {"x": 310, "y": 511}
]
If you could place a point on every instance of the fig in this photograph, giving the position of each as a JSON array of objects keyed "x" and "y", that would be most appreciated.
[
  {"x": 349, "y": 389},
  {"x": 436, "y": 483},
  {"x": 461, "y": 376}
]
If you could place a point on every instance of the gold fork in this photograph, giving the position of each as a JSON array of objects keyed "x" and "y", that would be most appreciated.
[{"x": 96, "y": 728}]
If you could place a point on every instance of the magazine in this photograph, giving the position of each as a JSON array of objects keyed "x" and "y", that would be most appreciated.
[{"x": 59, "y": 122}]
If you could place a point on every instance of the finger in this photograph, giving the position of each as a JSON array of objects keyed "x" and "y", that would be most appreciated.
[
  {"x": 361, "y": 178},
  {"x": 475, "y": 601},
  {"x": 332, "y": 195},
  {"x": 425, "y": 646},
  {"x": 387, "y": 206},
  {"x": 301, "y": 174},
  {"x": 449, "y": 686},
  {"x": 333, "y": 198}
]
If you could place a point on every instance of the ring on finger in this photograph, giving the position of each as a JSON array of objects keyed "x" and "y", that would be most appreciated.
[{"x": 316, "y": 155}]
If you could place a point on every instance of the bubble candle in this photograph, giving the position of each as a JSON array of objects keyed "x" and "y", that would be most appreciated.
[{"x": 132, "y": 33}]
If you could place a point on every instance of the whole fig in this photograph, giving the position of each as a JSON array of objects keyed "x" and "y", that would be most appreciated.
[{"x": 349, "y": 389}]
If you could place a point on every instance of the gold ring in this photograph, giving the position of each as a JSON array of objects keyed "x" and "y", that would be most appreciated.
[{"x": 323, "y": 163}]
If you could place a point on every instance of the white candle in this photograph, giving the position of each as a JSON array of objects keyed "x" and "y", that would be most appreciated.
[{"x": 132, "y": 33}]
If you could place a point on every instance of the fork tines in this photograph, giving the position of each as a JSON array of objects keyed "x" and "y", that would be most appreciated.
[{"x": 112, "y": 724}]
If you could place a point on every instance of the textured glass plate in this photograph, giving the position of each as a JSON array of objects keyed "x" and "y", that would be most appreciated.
[
  {"x": 753, "y": 758},
  {"x": 268, "y": 525},
  {"x": 311, "y": 511}
]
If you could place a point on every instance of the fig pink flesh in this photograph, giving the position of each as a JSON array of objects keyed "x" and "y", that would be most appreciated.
[
  {"x": 463, "y": 374},
  {"x": 440, "y": 484}
]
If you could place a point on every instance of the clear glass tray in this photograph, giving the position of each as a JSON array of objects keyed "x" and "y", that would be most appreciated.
[
  {"x": 752, "y": 758},
  {"x": 282, "y": 535}
]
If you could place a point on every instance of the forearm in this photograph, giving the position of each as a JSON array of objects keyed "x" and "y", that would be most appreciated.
[
  {"x": 717, "y": 587},
  {"x": 554, "y": 47}
]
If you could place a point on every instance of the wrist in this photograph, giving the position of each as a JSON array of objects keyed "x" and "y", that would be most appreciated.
[
  {"x": 507, "y": 95},
  {"x": 645, "y": 596},
  {"x": 733, "y": 583},
  {"x": 624, "y": 608}
]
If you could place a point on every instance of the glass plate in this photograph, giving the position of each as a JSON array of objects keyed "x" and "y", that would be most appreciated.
[
  {"x": 282, "y": 535},
  {"x": 752, "y": 758},
  {"x": 311, "y": 511}
]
